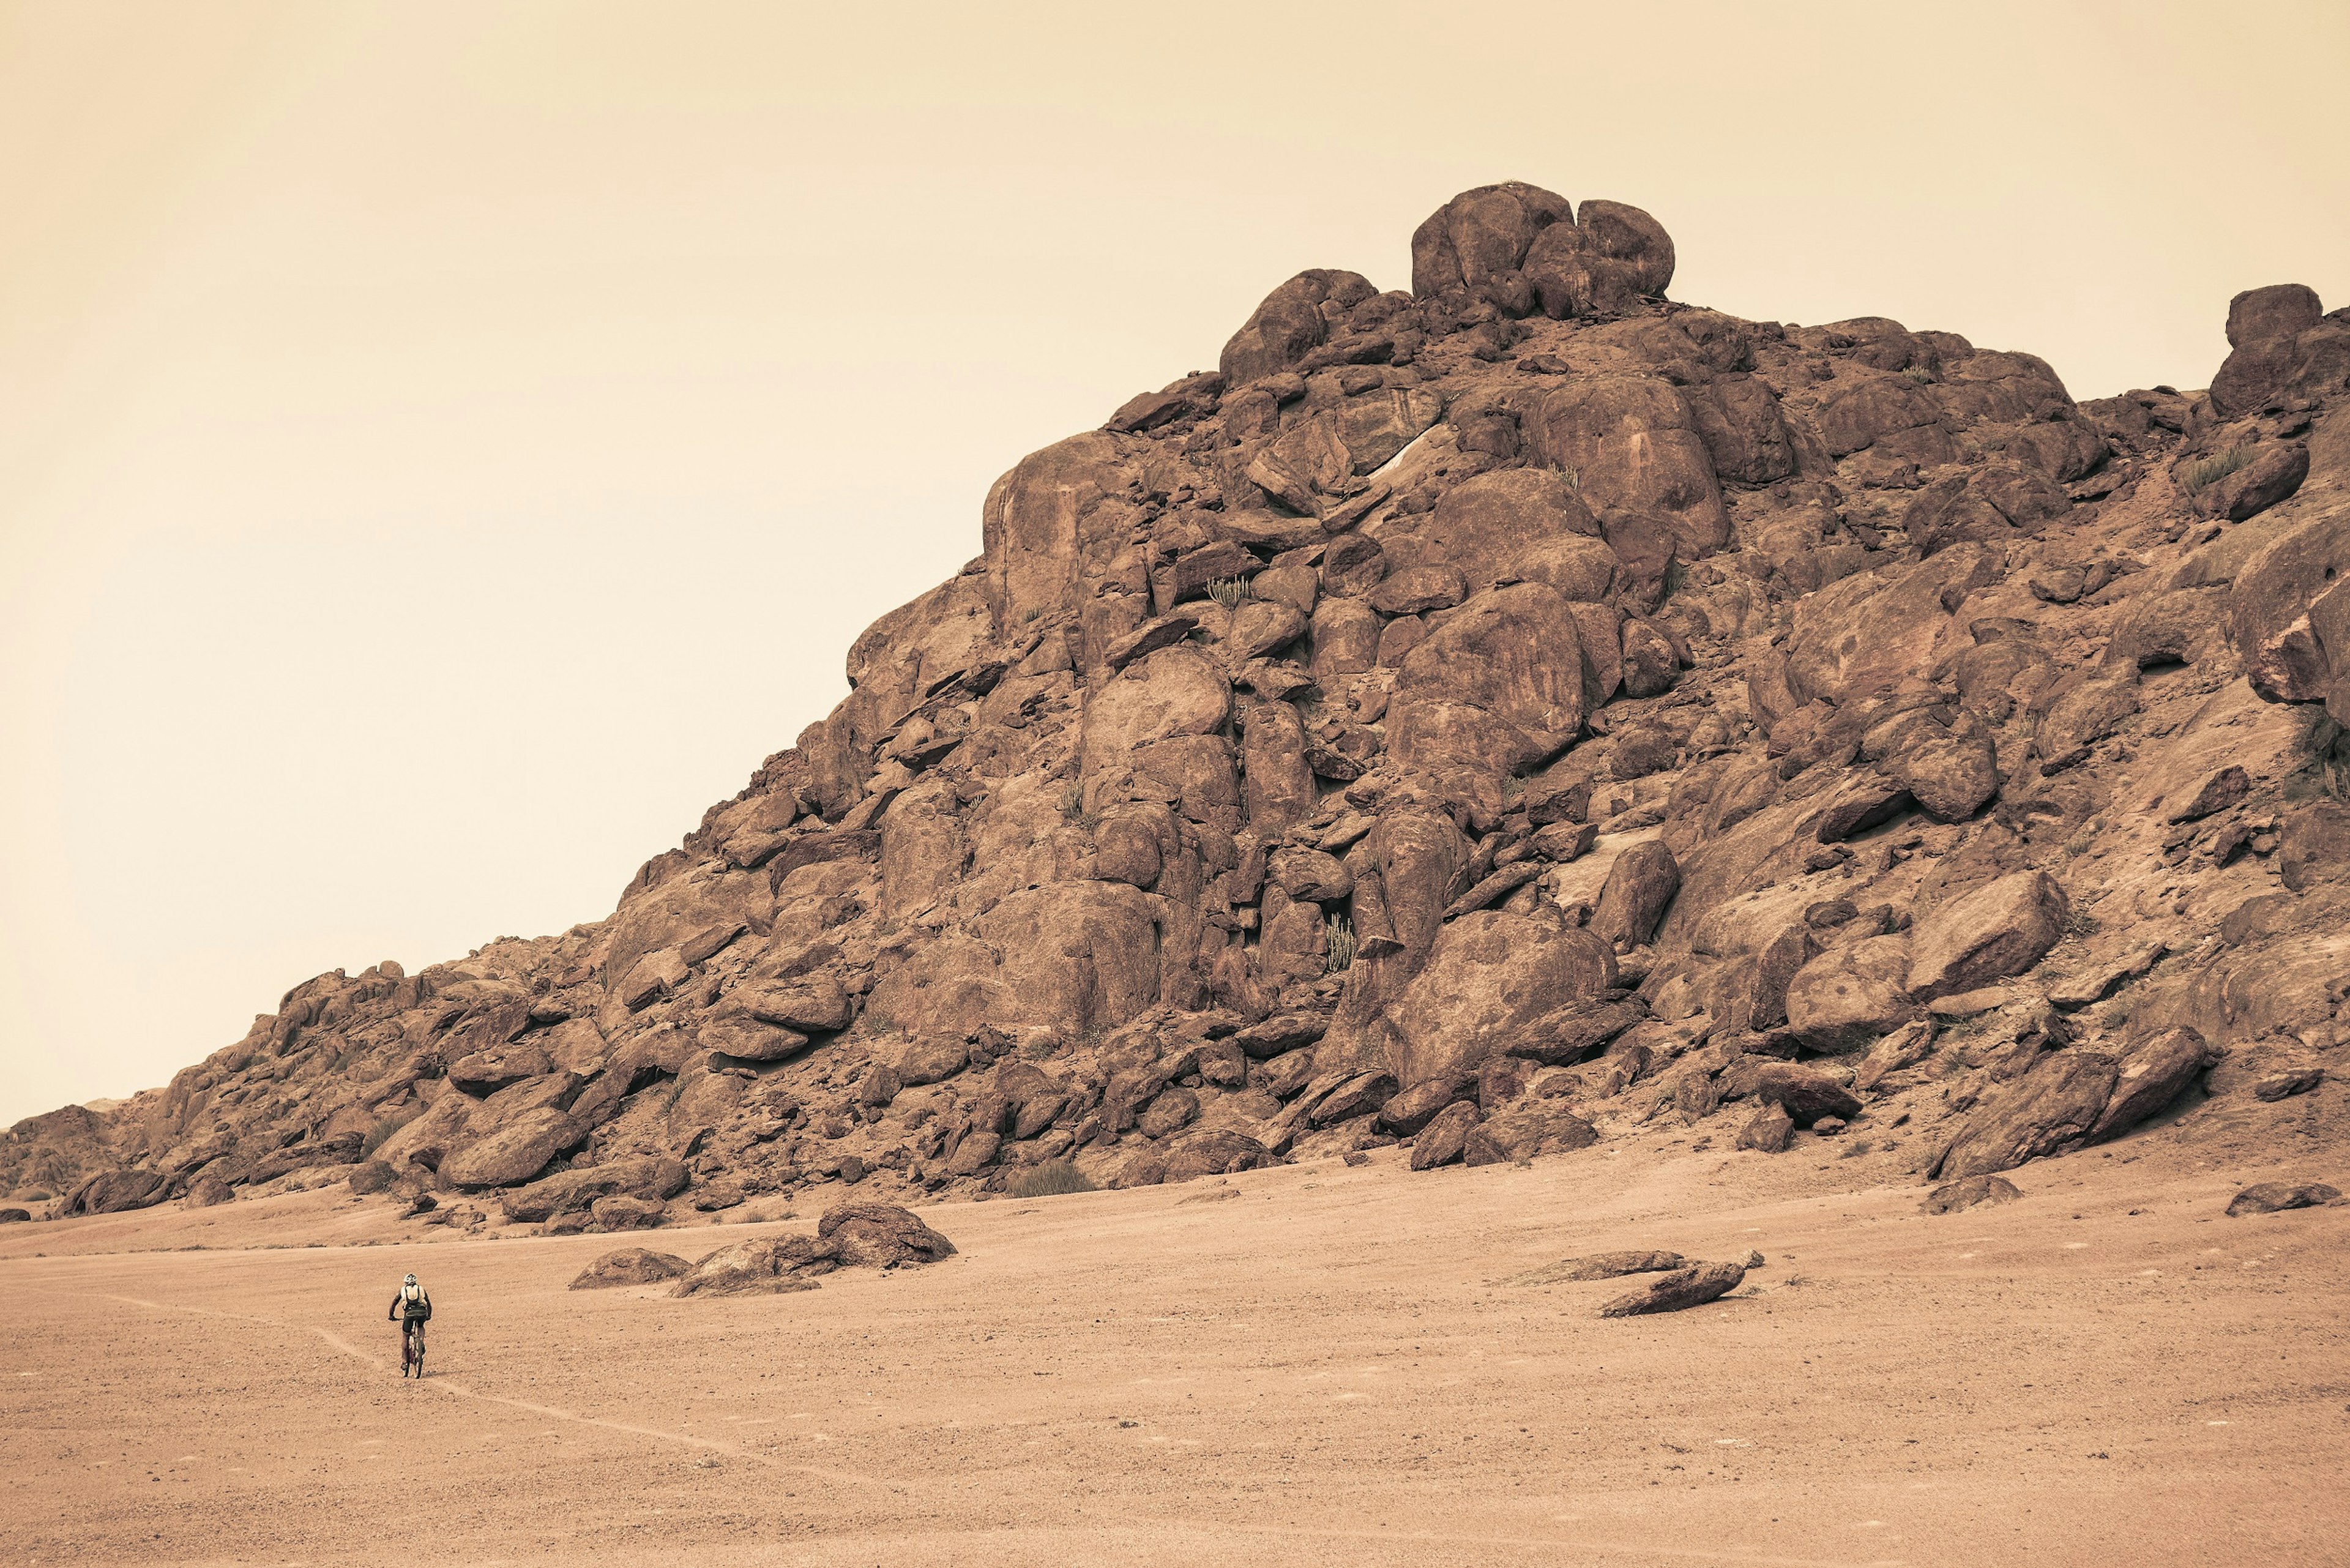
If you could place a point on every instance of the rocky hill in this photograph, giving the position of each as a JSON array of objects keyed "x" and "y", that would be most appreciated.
[{"x": 1495, "y": 716}]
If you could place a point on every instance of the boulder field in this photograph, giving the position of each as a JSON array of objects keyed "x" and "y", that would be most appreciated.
[{"x": 1492, "y": 716}]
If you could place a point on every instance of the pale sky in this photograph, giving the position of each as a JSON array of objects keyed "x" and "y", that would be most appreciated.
[{"x": 445, "y": 447}]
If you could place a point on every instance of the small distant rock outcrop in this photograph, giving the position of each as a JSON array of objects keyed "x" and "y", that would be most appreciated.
[
  {"x": 2275, "y": 1196},
  {"x": 1492, "y": 715},
  {"x": 854, "y": 1235},
  {"x": 1954, "y": 1196},
  {"x": 629, "y": 1266}
]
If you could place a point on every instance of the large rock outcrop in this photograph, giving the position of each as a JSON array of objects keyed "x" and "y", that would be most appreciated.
[{"x": 1494, "y": 714}]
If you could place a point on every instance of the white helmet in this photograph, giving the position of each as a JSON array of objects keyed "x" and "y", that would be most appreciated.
[{"x": 409, "y": 1279}]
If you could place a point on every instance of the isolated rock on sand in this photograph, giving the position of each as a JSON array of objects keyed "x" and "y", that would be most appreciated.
[
  {"x": 1602, "y": 1266},
  {"x": 879, "y": 1236},
  {"x": 1688, "y": 1287},
  {"x": 629, "y": 1266},
  {"x": 1953, "y": 1196},
  {"x": 757, "y": 1267},
  {"x": 14, "y": 1216},
  {"x": 849, "y": 1235},
  {"x": 2274, "y": 1196}
]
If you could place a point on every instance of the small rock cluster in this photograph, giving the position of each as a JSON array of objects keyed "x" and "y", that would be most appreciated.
[
  {"x": 851, "y": 1235},
  {"x": 1490, "y": 717}
]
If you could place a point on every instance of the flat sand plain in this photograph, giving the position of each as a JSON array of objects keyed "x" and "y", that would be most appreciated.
[{"x": 1311, "y": 1365}]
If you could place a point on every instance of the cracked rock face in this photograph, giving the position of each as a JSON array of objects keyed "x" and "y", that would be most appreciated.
[{"x": 1501, "y": 712}]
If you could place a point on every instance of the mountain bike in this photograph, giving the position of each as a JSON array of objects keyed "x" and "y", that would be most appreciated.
[{"x": 411, "y": 1349}]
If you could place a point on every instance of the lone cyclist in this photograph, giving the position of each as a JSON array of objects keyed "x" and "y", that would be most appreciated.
[{"x": 411, "y": 1309}]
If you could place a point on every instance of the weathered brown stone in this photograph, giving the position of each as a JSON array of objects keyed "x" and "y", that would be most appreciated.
[
  {"x": 629, "y": 1266},
  {"x": 1680, "y": 1289}
]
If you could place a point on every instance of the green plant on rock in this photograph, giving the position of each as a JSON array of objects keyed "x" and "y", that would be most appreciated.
[
  {"x": 1337, "y": 944},
  {"x": 2201, "y": 476},
  {"x": 1049, "y": 1180}
]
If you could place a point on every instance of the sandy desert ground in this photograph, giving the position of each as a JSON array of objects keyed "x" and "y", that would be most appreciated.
[{"x": 1308, "y": 1364}]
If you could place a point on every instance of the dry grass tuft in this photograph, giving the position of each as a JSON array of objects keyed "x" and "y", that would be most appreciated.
[
  {"x": 1337, "y": 944},
  {"x": 2201, "y": 476},
  {"x": 1050, "y": 1179}
]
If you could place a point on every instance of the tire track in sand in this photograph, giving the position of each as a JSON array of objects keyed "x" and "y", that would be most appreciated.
[
  {"x": 1258, "y": 1530},
  {"x": 552, "y": 1412}
]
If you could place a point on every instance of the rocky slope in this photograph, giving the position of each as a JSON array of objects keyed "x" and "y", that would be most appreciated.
[{"x": 1494, "y": 715}]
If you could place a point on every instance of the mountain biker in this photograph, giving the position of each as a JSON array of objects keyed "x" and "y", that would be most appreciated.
[{"x": 411, "y": 1309}]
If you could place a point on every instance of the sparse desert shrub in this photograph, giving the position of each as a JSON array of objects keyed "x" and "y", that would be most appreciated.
[
  {"x": 2201, "y": 476},
  {"x": 1967, "y": 1028},
  {"x": 382, "y": 1130},
  {"x": 1228, "y": 591},
  {"x": 1049, "y": 1180},
  {"x": 1337, "y": 944},
  {"x": 1073, "y": 802}
]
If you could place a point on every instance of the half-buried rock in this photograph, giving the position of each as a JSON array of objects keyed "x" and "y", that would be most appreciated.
[
  {"x": 1602, "y": 1266},
  {"x": 1688, "y": 1287},
  {"x": 879, "y": 1236},
  {"x": 850, "y": 1235},
  {"x": 1952, "y": 1196},
  {"x": 2275, "y": 1196},
  {"x": 761, "y": 1267},
  {"x": 629, "y": 1266}
]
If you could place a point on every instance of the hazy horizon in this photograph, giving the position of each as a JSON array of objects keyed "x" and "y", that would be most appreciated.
[{"x": 442, "y": 452}]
